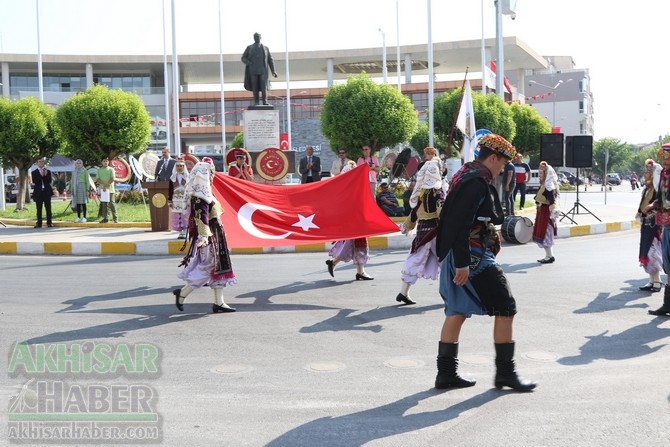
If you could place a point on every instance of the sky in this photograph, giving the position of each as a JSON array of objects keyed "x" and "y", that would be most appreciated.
[{"x": 620, "y": 42}]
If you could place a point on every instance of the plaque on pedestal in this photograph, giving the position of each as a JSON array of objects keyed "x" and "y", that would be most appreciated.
[
  {"x": 158, "y": 206},
  {"x": 261, "y": 128}
]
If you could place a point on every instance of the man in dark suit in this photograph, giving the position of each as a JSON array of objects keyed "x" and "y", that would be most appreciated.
[
  {"x": 164, "y": 167},
  {"x": 257, "y": 59},
  {"x": 42, "y": 192},
  {"x": 310, "y": 167}
]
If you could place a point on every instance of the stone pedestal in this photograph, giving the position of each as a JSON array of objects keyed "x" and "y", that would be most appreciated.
[{"x": 261, "y": 128}]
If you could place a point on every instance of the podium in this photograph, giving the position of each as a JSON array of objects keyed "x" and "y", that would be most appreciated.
[{"x": 158, "y": 205}]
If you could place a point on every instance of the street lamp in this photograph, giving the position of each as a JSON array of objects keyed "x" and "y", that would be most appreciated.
[
  {"x": 558, "y": 84},
  {"x": 384, "y": 69}
]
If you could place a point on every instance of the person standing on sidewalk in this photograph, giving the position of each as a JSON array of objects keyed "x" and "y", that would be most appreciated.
[
  {"x": 42, "y": 192},
  {"x": 207, "y": 262},
  {"x": 522, "y": 171},
  {"x": 105, "y": 179},
  {"x": 81, "y": 185},
  {"x": 661, "y": 205},
  {"x": 650, "y": 234},
  {"x": 471, "y": 281},
  {"x": 509, "y": 184}
]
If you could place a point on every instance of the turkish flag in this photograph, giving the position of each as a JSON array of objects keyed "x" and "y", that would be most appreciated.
[
  {"x": 260, "y": 215},
  {"x": 508, "y": 87}
]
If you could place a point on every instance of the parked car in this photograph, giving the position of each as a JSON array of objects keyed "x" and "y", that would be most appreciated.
[
  {"x": 572, "y": 178},
  {"x": 613, "y": 179}
]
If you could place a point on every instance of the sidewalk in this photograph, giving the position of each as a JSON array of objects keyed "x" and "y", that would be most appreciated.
[{"x": 94, "y": 239}]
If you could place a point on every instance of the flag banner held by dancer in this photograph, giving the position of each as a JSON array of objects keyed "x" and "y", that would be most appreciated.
[{"x": 260, "y": 215}]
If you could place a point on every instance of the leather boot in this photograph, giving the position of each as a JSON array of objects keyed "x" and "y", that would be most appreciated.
[
  {"x": 447, "y": 365},
  {"x": 505, "y": 373},
  {"x": 664, "y": 310}
]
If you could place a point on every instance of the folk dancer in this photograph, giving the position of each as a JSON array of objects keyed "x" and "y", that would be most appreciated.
[
  {"x": 650, "y": 233},
  {"x": 208, "y": 259},
  {"x": 547, "y": 212},
  {"x": 177, "y": 200}
]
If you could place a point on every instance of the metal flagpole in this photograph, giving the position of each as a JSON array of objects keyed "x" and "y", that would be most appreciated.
[
  {"x": 39, "y": 53},
  {"x": 223, "y": 109},
  {"x": 431, "y": 83},
  {"x": 166, "y": 91},
  {"x": 288, "y": 80},
  {"x": 175, "y": 82}
]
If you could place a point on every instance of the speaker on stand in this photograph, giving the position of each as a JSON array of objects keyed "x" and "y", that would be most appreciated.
[
  {"x": 579, "y": 154},
  {"x": 551, "y": 148}
]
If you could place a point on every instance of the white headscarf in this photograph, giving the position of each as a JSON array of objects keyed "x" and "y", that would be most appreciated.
[
  {"x": 200, "y": 182},
  {"x": 348, "y": 167},
  {"x": 550, "y": 178},
  {"x": 184, "y": 173},
  {"x": 428, "y": 178}
]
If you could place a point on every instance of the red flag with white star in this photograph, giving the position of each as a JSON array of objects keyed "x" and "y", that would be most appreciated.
[{"x": 261, "y": 215}]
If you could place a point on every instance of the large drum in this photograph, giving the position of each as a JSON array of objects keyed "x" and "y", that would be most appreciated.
[{"x": 517, "y": 229}]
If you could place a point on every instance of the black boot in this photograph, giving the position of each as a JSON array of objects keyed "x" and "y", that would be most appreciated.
[
  {"x": 447, "y": 365},
  {"x": 664, "y": 310},
  {"x": 505, "y": 373}
]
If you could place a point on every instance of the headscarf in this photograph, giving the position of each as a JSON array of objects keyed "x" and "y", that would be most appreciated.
[
  {"x": 428, "y": 178},
  {"x": 653, "y": 168},
  {"x": 200, "y": 182},
  {"x": 550, "y": 178},
  {"x": 184, "y": 173}
]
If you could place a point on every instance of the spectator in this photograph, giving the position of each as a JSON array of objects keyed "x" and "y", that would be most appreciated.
[
  {"x": 373, "y": 162},
  {"x": 105, "y": 178},
  {"x": 509, "y": 184},
  {"x": 388, "y": 202},
  {"x": 339, "y": 163},
  {"x": 81, "y": 185},
  {"x": 406, "y": 196},
  {"x": 42, "y": 192},
  {"x": 310, "y": 167},
  {"x": 522, "y": 171}
]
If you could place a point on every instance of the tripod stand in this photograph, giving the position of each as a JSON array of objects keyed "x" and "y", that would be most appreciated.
[{"x": 575, "y": 209}]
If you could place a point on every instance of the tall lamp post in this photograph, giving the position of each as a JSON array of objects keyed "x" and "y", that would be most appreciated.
[
  {"x": 384, "y": 69},
  {"x": 553, "y": 89}
]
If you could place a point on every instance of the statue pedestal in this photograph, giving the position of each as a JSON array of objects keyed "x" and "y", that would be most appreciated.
[
  {"x": 261, "y": 128},
  {"x": 158, "y": 206}
]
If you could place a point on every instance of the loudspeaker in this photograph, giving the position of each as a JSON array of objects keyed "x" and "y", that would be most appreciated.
[
  {"x": 551, "y": 148},
  {"x": 579, "y": 151}
]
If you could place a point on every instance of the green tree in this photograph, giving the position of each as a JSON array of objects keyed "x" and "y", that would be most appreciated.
[
  {"x": 102, "y": 123},
  {"x": 238, "y": 141},
  {"x": 28, "y": 131},
  {"x": 618, "y": 152},
  {"x": 362, "y": 112},
  {"x": 420, "y": 140},
  {"x": 529, "y": 126},
  {"x": 491, "y": 113}
]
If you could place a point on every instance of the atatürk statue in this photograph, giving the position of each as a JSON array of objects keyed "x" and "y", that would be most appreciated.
[{"x": 257, "y": 59}]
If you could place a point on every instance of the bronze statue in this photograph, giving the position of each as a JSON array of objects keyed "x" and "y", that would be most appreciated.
[{"x": 257, "y": 59}]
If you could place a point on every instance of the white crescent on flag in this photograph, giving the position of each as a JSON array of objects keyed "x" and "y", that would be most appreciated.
[{"x": 245, "y": 214}]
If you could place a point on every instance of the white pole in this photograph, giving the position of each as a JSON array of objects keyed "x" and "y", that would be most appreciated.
[
  {"x": 166, "y": 90},
  {"x": 223, "y": 109},
  {"x": 39, "y": 56},
  {"x": 500, "y": 63},
  {"x": 397, "y": 28},
  {"x": 288, "y": 79},
  {"x": 384, "y": 69},
  {"x": 431, "y": 82},
  {"x": 175, "y": 83},
  {"x": 484, "y": 72}
]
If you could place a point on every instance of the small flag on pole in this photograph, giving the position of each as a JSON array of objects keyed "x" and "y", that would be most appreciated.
[{"x": 466, "y": 124}]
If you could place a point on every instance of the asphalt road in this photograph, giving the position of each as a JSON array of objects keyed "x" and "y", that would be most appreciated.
[{"x": 308, "y": 360}]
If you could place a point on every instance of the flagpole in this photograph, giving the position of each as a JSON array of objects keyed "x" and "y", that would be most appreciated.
[
  {"x": 166, "y": 91},
  {"x": 458, "y": 110},
  {"x": 431, "y": 85},
  {"x": 288, "y": 81},
  {"x": 223, "y": 109},
  {"x": 175, "y": 83},
  {"x": 483, "y": 54},
  {"x": 39, "y": 54}
]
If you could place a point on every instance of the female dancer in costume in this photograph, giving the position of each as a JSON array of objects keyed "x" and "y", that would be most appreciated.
[
  {"x": 547, "y": 212},
  {"x": 650, "y": 234},
  {"x": 208, "y": 259},
  {"x": 426, "y": 202}
]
